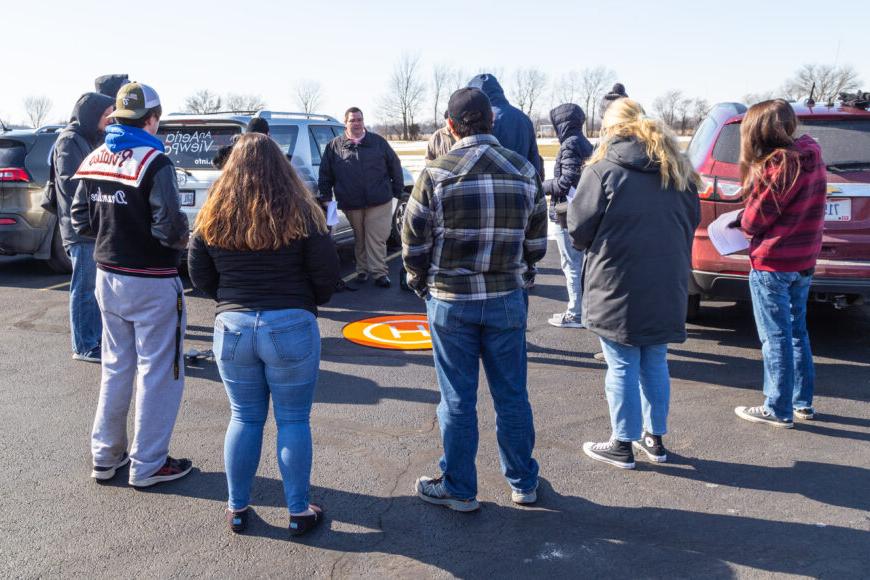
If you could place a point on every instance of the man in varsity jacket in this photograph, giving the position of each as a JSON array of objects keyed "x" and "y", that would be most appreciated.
[{"x": 127, "y": 197}]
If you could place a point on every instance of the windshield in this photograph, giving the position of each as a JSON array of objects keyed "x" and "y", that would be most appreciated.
[
  {"x": 285, "y": 136},
  {"x": 11, "y": 153},
  {"x": 194, "y": 146},
  {"x": 844, "y": 142}
]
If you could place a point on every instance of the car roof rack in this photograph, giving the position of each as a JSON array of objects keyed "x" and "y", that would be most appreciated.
[{"x": 270, "y": 114}]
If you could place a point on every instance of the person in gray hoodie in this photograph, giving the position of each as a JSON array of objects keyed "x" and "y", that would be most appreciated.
[
  {"x": 75, "y": 142},
  {"x": 635, "y": 215}
]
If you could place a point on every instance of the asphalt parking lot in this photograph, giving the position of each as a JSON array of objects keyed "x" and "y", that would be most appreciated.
[{"x": 737, "y": 500}]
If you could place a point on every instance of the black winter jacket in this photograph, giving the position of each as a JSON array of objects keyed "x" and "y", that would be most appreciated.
[
  {"x": 361, "y": 176},
  {"x": 574, "y": 149},
  {"x": 74, "y": 143},
  {"x": 638, "y": 241},
  {"x": 302, "y": 274}
]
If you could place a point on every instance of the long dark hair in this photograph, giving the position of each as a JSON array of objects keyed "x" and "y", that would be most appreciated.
[
  {"x": 767, "y": 159},
  {"x": 258, "y": 202}
]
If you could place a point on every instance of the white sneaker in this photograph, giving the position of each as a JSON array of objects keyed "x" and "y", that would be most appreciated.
[
  {"x": 525, "y": 497},
  {"x": 565, "y": 320}
]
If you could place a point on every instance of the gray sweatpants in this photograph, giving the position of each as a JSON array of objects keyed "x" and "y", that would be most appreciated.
[{"x": 140, "y": 318}]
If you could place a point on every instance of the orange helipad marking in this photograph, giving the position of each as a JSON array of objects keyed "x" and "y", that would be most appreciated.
[{"x": 397, "y": 332}]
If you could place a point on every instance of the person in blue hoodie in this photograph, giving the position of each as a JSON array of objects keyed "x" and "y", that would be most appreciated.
[
  {"x": 574, "y": 150},
  {"x": 513, "y": 128},
  {"x": 127, "y": 198}
]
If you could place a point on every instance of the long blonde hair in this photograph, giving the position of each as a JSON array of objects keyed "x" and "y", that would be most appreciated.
[
  {"x": 258, "y": 202},
  {"x": 626, "y": 118}
]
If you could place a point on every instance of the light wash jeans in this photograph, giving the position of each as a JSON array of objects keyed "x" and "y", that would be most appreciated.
[
  {"x": 572, "y": 267},
  {"x": 463, "y": 333},
  {"x": 261, "y": 354},
  {"x": 638, "y": 389},
  {"x": 779, "y": 302},
  {"x": 140, "y": 326},
  {"x": 85, "y": 323}
]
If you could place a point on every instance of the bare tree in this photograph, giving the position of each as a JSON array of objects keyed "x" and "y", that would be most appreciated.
[
  {"x": 37, "y": 108},
  {"x": 669, "y": 107},
  {"x": 700, "y": 108},
  {"x": 308, "y": 95},
  {"x": 236, "y": 102},
  {"x": 406, "y": 92},
  {"x": 829, "y": 81},
  {"x": 569, "y": 88},
  {"x": 750, "y": 99},
  {"x": 528, "y": 86},
  {"x": 440, "y": 77},
  {"x": 455, "y": 81},
  {"x": 203, "y": 101},
  {"x": 593, "y": 84}
]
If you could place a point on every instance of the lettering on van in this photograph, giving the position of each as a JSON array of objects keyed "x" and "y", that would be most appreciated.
[{"x": 178, "y": 142}]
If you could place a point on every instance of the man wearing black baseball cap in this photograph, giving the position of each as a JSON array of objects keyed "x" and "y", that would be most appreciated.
[
  {"x": 475, "y": 223},
  {"x": 127, "y": 198}
]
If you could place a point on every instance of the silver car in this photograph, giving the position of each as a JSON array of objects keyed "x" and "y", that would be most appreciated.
[{"x": 192, "y": 141}]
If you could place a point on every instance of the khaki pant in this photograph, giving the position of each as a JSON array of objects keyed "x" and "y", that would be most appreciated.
[{"x": 371, "y": 228}]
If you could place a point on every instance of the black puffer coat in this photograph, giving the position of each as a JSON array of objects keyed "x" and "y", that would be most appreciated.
[
  {"x": 638, "y": 241},
  {"x": 574, "y": 149}
]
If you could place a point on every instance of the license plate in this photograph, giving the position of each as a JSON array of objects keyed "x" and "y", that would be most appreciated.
[
  {"x": 838, "y": 210},
  {"x": 187, "y": 198}
]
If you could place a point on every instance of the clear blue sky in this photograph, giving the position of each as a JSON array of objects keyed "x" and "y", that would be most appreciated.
[{"x": 715, "y": 50}]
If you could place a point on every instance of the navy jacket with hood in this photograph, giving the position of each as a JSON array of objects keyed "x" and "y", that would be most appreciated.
[
  {"x": 75, "y": 142},
  {"x": 513, "y": 128},
  {"x": 574, "y": 149}
]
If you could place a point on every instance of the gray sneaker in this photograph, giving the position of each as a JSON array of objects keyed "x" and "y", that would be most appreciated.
[
  {"x": 525, "y": 497},
  {"x": 565, "y": 320},
  {"x": 761, "y": 415},
  {"x": 432, "y": 490}
]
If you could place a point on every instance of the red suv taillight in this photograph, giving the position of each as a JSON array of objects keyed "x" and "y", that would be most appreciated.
[
  {"x": 13, "y": 174},
  {"x": 718, "y": 189}
]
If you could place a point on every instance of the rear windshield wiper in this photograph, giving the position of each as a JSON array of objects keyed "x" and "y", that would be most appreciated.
[{"x": 849, "y": 166}]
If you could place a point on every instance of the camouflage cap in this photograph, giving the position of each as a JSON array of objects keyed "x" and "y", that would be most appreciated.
[{"x": 134, "y": 101}]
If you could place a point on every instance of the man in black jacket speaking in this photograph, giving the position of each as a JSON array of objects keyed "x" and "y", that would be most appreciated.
[{"x": 364, "y": 174}]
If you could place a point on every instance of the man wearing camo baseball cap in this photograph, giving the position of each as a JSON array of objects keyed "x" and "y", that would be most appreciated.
[{"x": 128, "y": 199}]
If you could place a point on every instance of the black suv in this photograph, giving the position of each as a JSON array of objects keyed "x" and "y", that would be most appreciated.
[{"x": 26, "y": 228}]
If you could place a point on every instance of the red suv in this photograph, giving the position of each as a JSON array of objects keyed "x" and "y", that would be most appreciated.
[{"x": 842, "y": 274}]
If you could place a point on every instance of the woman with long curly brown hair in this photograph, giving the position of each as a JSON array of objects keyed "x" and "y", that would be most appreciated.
[
  {"x": 262, "y": 250},
  {"x": 785, "y": 184}
]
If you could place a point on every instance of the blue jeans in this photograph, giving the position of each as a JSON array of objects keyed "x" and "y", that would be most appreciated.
[
  {"x": 85, "y": 322},
  {"x": 277, "y": 353},
  {"x": 638, "y": 389},
  {"x": 463, "y": 333},
  {"x": 779, "y": 302},
  {"x": 572, "y": 267}
]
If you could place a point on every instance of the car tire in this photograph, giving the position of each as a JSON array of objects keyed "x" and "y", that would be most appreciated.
[
  {"x": 395, "y": 239},
  {"x": 693, "y": 307},
  {"x": 59, "y": 261}
]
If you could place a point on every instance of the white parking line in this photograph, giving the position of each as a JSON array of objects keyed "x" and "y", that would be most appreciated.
[
  {"x": 392, "y": 256},
  {"x": 56, "y": 286}
]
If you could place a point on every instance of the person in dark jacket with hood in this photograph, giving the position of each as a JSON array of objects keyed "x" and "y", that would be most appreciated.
[
  {"x": 574, "y": 149},
  {"x": 635, "y": 214},
  {"x": 513, "y": 128},
  {"x": 81, "y": 136}
]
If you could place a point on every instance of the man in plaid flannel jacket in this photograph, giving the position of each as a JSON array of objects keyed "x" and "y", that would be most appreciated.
[{"x": 475, "y": 224}]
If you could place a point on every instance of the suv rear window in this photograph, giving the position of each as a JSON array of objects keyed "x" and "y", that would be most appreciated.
[
  {"x": 12, "y": 153},
  {"x": 285, "y": 136},
  {"x": 843, "y": 141},
  {"x": 194, "y": 146}
]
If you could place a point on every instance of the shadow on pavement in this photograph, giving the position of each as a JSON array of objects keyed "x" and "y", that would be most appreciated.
[{"x": 561, "y": 536}]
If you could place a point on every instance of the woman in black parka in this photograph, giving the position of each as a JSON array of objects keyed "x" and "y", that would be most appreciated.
[{"x": 635, "y": 215}]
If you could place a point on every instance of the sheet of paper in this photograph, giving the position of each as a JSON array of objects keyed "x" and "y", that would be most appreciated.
[
  {"x": 727, "y": 240},
  {"x": 332, "y": 213}
]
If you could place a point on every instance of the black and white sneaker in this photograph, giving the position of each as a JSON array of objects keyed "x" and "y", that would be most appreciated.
[
  {"x": 616, "y": 453},
  {"x": 805, "y": 414},
  {"x": 652, "y": 446},
  {"x": 761, "y": 415},
  {"x": 172, "y": 469},
  {"x": 106, "y": 473}
]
